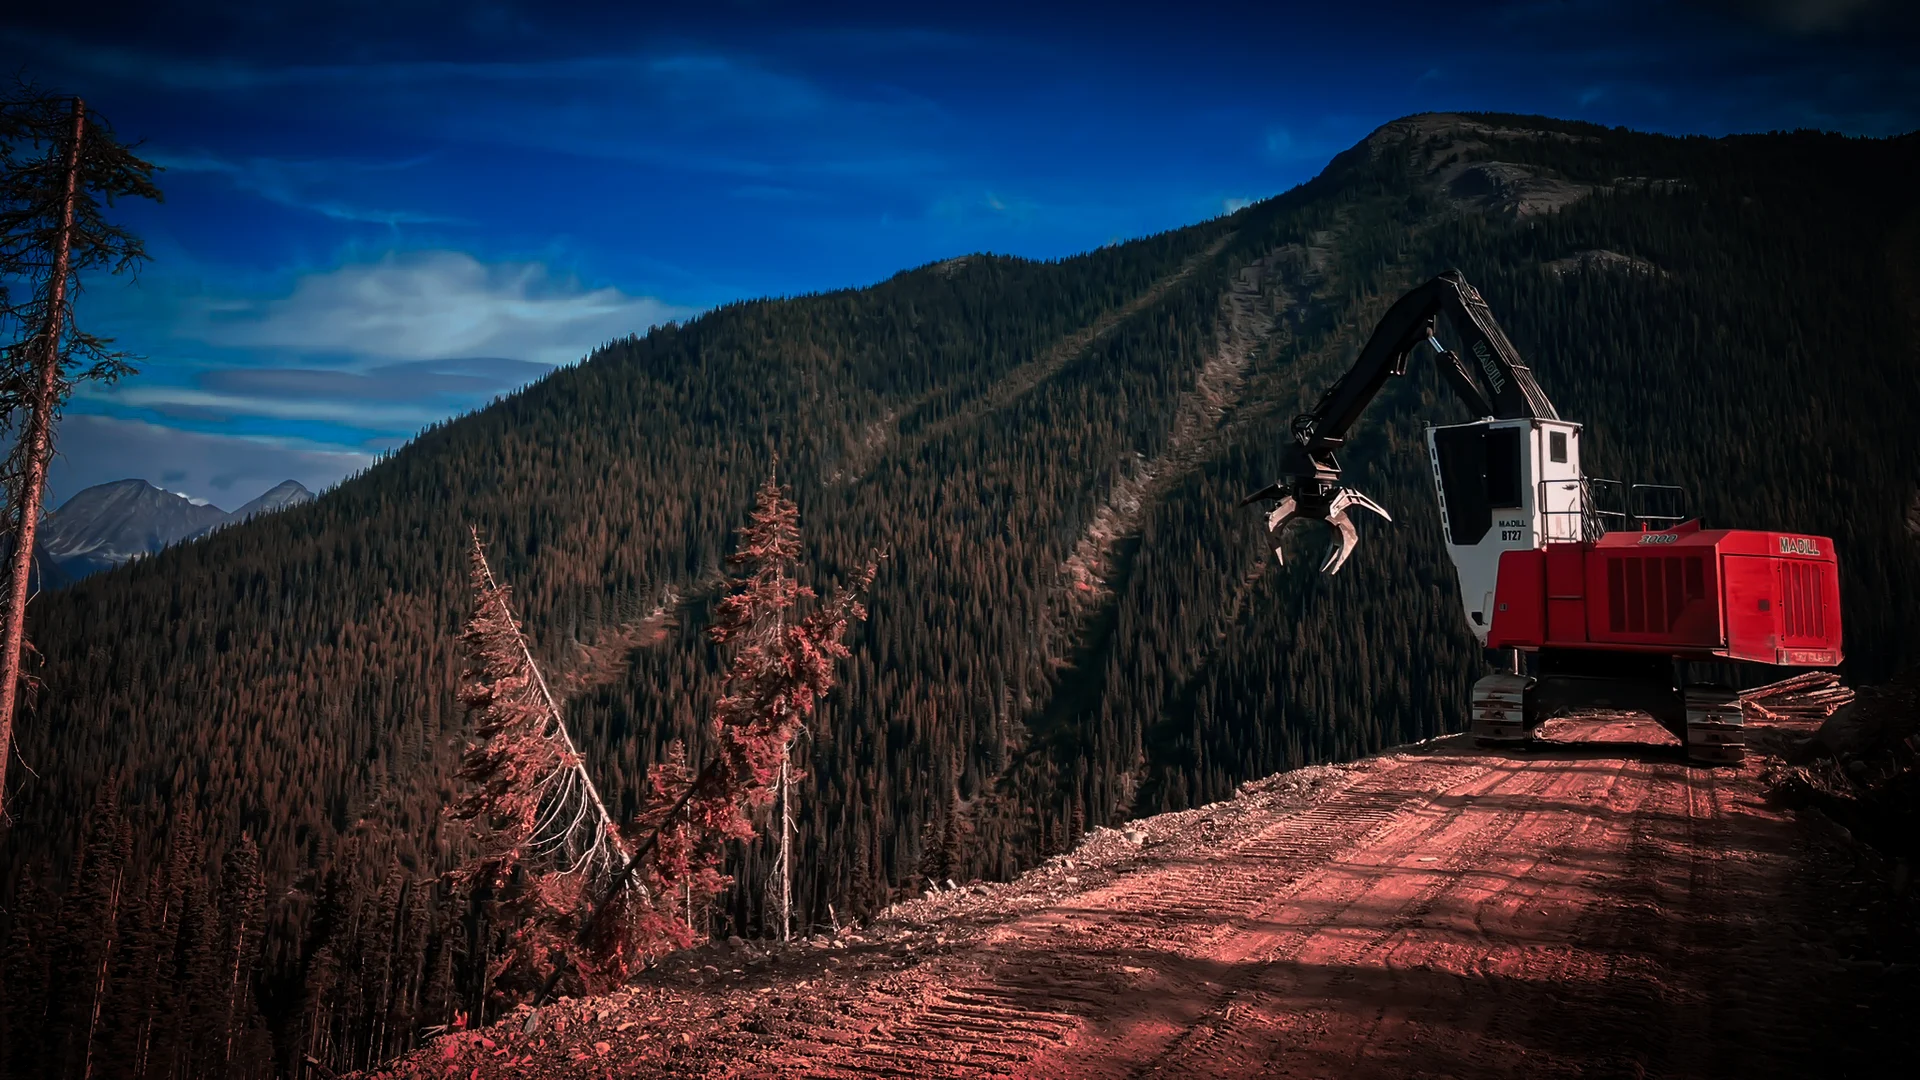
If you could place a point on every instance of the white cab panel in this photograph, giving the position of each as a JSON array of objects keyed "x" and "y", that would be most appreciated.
[{"x": 1503, "y": 485}]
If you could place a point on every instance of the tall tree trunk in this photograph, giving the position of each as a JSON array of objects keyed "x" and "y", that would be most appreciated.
[
  {"x": 233, "y": 988},
  {"x": 786, "y": 848},
  {"x": 786, "y": 787},
  {"x": 687, "y": 817},
  {"x": 100, "y": 983},
  {"x": 38, "y": 439},
  {"x": 163, "y": 961}
]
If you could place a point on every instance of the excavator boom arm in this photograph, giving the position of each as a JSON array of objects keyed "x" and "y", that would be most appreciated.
[
  {"x": 1310, "y": 485},
  {"x": 1510, "y": 391}
]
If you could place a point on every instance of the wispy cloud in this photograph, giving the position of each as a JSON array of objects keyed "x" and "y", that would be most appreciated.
[
  {"x": 173, "y": 71},
  {"x": 689, "y": 108},
  {"x": 426, "y": 305},
  {"x": 411, "y": 381},
  {"x": 300, "y": 185},
  {"x": 394, "y": 400},
  {"x": 187, "y": 403},
  {"x": 338, "y": 361},
  {"x": 776, "y": 193}
]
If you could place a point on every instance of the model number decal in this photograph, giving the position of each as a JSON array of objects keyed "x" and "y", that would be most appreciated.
[
  {"x": 1510, "y": 534},
  {"x": 1799, "y": 545},
  {"x": 1659, "y": 538}
]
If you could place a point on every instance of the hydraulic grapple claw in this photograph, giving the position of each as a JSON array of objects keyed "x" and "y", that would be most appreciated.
[{"x": 1331, "y": 509}]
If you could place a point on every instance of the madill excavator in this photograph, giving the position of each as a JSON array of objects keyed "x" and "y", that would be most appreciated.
[{"x": 1585, "y": 595}]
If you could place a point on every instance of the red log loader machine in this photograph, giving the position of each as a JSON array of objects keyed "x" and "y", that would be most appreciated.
[{"x": 1586, "y": 597}]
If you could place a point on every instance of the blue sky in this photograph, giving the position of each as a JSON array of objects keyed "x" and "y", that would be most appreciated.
[{"x": 380, "y": 214}]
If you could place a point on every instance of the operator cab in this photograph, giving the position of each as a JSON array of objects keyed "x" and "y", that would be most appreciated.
[{"x": 1504, "y": 485}]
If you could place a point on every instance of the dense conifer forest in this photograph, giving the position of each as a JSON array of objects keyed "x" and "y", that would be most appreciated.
[{"x": 245, "y": 744}]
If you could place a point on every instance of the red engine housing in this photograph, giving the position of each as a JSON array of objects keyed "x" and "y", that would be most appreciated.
[{"x": 1687, "y": 592}]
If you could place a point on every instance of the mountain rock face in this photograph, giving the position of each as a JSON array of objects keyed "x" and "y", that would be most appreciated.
[
  {"x": 1075, "y": 624},
  {"x": 109, "y": 524},
  {"x": 279, "y": 497}
]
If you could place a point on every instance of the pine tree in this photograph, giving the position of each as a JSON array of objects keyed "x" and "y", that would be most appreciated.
[
  {"x": 88, "y": 930},
  {"x": 202, "y": 987},
  {"x": 410, "y": 963},
  {"x": 782, "y": 665},
  {"x": 318, "y": 989},
  {"x": 244, "y": 907},
  {"x": 955, "y": 838},
  {"x": 932, "y": 865},
  {"x": 161, "y": 1047},
  {"x": 57, "y": 165},
  {"x": 24, "y": 973},
  {"x": 135, "y": 994},
  {"x": 376, "y": 969}
]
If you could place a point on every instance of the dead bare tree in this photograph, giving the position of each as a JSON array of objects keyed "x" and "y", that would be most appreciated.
[
  {"x": 536, "y": 819},
  {"x": 59, "y": 169},
  {"x": 553, "y": 807}
]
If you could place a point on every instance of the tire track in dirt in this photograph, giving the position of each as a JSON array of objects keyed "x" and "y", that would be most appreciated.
[
  {"x": 1359, "y": 910},
  {"x": 1549, "y": 988},
  {"x": 1467, "y": 915},
  {"x": 1590, "y": 908},
  {"x": 1040, "y": 983}
]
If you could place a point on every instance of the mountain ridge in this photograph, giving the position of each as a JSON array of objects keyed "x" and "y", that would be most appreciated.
[{"x": 108, "y": 525}]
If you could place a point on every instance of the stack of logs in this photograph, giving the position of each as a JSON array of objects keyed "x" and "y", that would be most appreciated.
[{"x": 1813, "y": 696}]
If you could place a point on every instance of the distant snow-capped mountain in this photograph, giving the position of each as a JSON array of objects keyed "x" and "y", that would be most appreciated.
[
  {"x": 282, "y": 495},
  {"x": 109, "y": 524}
]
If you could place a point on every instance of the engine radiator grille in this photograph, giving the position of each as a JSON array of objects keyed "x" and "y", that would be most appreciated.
[
  {"x": 1646, "y": 593},
  {"x": 1803, "y": 612}
]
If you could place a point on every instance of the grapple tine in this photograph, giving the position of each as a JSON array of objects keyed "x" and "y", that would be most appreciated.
[
  {"x": 1345, "y": 539},
  {"x": 1349, "y": 497},
  {"x": 1278, "y": 518},
  {"x": 1277, "y": 523}
]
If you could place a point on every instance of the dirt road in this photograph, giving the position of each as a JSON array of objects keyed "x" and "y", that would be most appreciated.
[{"x": 1593, "y": 909}]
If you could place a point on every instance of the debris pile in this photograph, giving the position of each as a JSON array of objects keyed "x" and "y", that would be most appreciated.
[
  {"x": 1813, "y": 696},
  {"x": 1862, "y": 768}
]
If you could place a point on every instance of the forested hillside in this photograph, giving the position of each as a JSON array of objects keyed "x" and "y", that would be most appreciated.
[{"x": 1076, "y": 624}]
